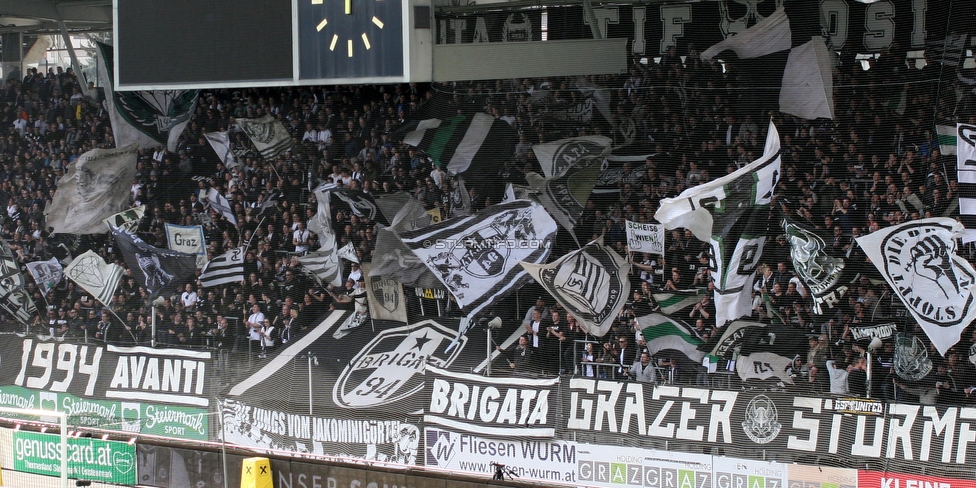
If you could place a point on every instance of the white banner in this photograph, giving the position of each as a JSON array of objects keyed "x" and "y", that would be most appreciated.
[
  {"x": 647, "y": 238},
  {"x": 94, "y": 187},
  {"x": 524, "y": 459},
  {"x": 188, "y": 239}
]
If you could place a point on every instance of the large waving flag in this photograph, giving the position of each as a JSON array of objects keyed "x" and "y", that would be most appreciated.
[
  {"x": 157, "y": 270},
  {"x": 393, "y": 259},
  {"x": 770, "y": 352},
  {"x": 97, "y": 277},
  {"x": 94, "y": 187},
  {"x": 662, "y": 333},
  {"x": 144, "y": 118},
  {"x": 268, "y": 135},
  {"x": 730, "y": 214},
  {"x": 965, "y": 146},
  {"x": 592, "y": 284},
  {"x": 457, "y": 143},
  {"x": 791, "y": 55},
  {"x": 477, "y": 257},
  {"x": 219, "y": 203},
  {"x": 918, "y": 259}
]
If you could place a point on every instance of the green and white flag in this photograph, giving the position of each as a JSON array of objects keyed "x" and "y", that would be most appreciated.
[
  {"x": 946, "y": 135},
  {"x": 460, "y": 142},
  {"x": 662, "y": 333}
]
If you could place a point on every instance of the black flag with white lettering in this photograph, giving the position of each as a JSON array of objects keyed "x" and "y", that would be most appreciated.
[{"x": 157, "y": 270}]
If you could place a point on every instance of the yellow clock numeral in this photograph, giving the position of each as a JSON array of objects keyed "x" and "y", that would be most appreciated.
[
  {"x": 378, "y": 22},
  {"x": 349, "y": 47},
  {"x": 366, "y": 41},
  {"x": 316, "y": 2},
  {"x": 335, "y": 39},
  {"x": 348, "y": 7},
  {"x": 321, "y": 25}
]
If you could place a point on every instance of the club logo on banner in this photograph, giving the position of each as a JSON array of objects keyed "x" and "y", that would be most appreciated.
[
  {"x": 820, "y": 271},
  {"x": 511, "y": 407},
  {"x": 647, "y": 238},
  {"x": 965, "y": 144},
  {"x": 761, "y": 422},
  {"x": 918, "y": 259},
  {"x": 391, "y": 367}
]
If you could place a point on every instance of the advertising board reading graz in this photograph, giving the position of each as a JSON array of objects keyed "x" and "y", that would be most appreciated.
[{"x": 133, "y": 389}]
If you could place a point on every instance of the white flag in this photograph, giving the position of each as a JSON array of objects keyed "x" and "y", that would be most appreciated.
[
  {"x": 220, "y": 204},
  {"x": 647, "y": 238},
  {"x": 323, "y": 265},
  {"x": 220, "y": 142},
  {"x": 918, "y": 259},
  {"x": 47, "y": 274},
  {"x": 226, "y": 268},
  {"x": 730, "y": 214},
  {"x": 268, "y": 135},
  {"x": 348, "y": 252},
  {"x": 96, "y": 276},
  {"x": 95, "y": 186}
]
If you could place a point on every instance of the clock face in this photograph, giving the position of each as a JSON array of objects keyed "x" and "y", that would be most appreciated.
[{"x": 350, "y": 39}]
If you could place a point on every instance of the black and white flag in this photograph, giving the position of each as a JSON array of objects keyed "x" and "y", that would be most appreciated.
[
  {"x": 477, "y": 257},
  {"x": 323, "y": 265},
  {"x": 966, "y": 171},
  {"x": 559, "y": 156},
  {"x": 770, "y": 352},
  {"x": 458, "y": 143},
  {"x": 47, "y": 274},
  {"x": 788, "y": 52},
  {"x": 363, "y": 205},
  {"x": 226, "y": 268},
  {"x": 219, "y": 203},
  {"x": 730, "y": 214},
  {"x": 220, "y": 142},
  {"x": 96, "y": 186},
  {"x": 269, "y": 135},
  {"x": 825, "y": 274},
  {"x": 565, "y": 197},
  {"x": 918, "y": 259},
  {"x": 393, "y": 259},
  {"x": 14, "y": 298},
  {"x": 147, "y": 118},
  {"x": 157, "y": 270},
  {"x": 592, "y": 284},
  {"x": 385, "y": 295},
  {"x": 97, "y": 277}
]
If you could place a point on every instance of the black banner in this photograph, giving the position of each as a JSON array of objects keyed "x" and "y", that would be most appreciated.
[
  {"x": 861, "y": 27},
  {"x": 489, "y": 27},
  {"x": 778, "y": 421}
]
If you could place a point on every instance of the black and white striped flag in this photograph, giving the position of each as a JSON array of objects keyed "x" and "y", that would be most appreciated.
[
  {"x": 966, "y": 172},
  {"x": 459, "y": 142},
  {"x": 784, "y": 57},
  {"x": 226, "y": 268},
  {"x": 323, "y": 265},
  {"x": 220, "y": 204}
]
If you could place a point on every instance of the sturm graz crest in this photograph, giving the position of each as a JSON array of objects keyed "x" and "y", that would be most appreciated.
[
  {"x": 761, "y": 423},
  {"x": 589, "y": 282},
  {"x": 387, "y": 294},
  {"x": 156, "y": 112},
  {"x": 573, "y": 152},
  {"x": 390, "y": 368}
]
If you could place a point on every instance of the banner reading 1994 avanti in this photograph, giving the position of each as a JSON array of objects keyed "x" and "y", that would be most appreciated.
[{"x": 88, "y": 458}]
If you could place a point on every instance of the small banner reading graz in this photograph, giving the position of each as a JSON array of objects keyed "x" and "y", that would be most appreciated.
[
  {"x": 510, "y": 407},
  {"x": 592, "y": 284}
]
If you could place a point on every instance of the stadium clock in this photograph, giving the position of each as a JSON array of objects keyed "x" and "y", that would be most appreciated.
[{"x": 345, "y": 39}]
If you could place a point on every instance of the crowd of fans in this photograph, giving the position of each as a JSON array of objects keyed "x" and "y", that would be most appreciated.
[{"x": 870, "y": 167}]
